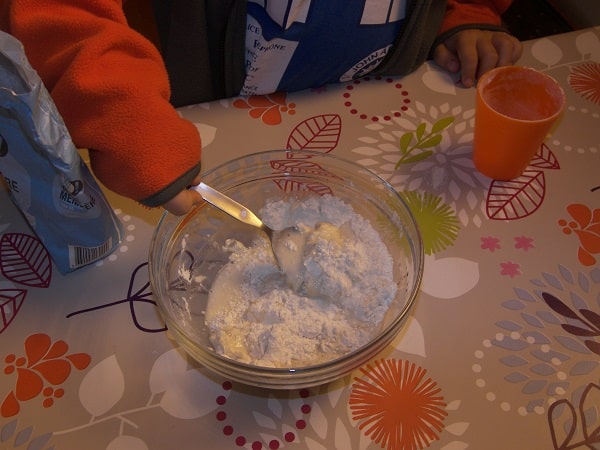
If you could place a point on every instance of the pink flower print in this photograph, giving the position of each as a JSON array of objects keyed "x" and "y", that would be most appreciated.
[
  {"x": 490, "y": 243},
  {"x": 268, "y": 108},
  {"x": 41, "y": 371},
  {"x": 523, "y": 243},
  {"x": 397, "y": 405},
  {"x": 510, "y": 269},
  {"x": 585, "y": 80},
  {"x": 586, "y": 226}
]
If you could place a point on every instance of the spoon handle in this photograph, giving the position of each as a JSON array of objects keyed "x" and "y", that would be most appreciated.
[{"x": 228, "y": 205}]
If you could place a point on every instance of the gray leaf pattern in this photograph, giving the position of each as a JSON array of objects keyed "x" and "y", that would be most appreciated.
[{"x": 544, "y": 339}]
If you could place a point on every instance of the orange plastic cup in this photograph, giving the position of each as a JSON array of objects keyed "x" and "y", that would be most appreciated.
[{"x": 516, "y": 107}]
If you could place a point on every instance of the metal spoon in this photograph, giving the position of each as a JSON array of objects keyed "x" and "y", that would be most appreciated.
[{"x": 286, "y": 244}]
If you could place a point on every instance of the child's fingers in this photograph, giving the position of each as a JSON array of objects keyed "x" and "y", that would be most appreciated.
[
  {"x": 446, "y": 59},
  {"x": 182, "y": 202}
]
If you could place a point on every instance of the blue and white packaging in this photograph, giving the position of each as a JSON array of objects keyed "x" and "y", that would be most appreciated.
[{"x": 47, "y": 179}]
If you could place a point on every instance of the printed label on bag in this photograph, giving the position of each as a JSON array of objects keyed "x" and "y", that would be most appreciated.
[{"x": 81, "y": 256}]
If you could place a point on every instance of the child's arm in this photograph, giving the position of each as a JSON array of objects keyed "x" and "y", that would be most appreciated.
[{"x": 110, "y": 85}]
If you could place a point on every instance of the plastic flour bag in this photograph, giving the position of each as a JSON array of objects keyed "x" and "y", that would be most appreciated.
[{"x": 47, "y": 179}]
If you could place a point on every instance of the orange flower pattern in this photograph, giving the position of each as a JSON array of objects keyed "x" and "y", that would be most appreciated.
[
  {"x": 268, "y": 108},
  {"x": 41, "y": 371},
  {"x": 585, "y": 80},
  {"x": 396, "y": 406},
  {"x": 586, "y": 226}
]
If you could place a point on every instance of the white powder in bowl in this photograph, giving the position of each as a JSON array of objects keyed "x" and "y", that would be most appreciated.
[{"x": 345, "y": 288}]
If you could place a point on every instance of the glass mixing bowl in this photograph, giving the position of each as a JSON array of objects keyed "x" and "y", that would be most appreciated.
[{"x": 187, "y": 252}]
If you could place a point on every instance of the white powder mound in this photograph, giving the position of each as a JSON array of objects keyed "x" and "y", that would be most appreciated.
[{"x": 342, "y": 290}]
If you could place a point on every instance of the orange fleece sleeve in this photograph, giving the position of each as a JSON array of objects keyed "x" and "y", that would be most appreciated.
[
  {"x": 474, "y": 12},
  {"x": 111, "y": 87}
]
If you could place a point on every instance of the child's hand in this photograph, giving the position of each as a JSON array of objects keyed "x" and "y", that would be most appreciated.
[
  {"x": 184, "y": 201},
  {"x": 474, "y": 52}
]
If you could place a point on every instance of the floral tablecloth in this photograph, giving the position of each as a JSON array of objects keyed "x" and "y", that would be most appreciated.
[{"x": 502, "y": 350}]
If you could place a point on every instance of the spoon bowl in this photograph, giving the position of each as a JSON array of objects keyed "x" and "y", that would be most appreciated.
[{"x": 284, "y": 243}]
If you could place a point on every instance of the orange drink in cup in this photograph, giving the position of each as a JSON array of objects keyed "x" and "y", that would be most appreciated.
[{"x": 515, "y": 109}]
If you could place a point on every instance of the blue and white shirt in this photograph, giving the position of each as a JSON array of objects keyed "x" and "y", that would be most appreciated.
[{"x": 296, "y": 44}]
